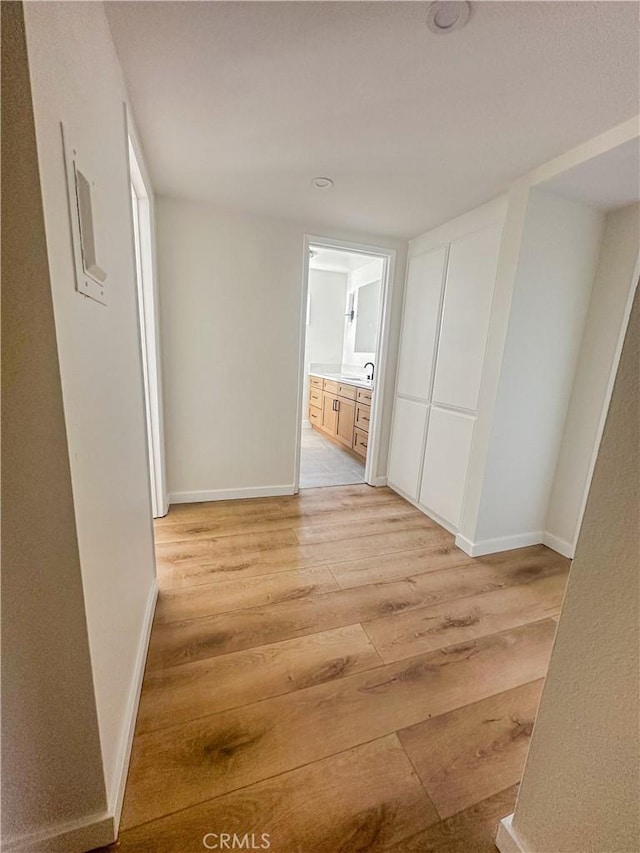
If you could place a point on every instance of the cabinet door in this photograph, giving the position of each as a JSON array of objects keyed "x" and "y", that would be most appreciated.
[
  {"x": 315, "y": 416},
  {"x": 409, "y": 421},
  {"x": 471, "y": 274},
  {"x": 446, "y": 460},
  {"x": 346, "y": 417},
  {"x": 329, "y": 414},
  {"x": 360, "y": 442},
  {"x": 363, "y": 417},
  {"x": 315, "y": 398},
  {"x": 420, "y": 322}
]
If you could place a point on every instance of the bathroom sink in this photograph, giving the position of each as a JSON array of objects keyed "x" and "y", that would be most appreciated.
[{"x": 348, "y": 377}]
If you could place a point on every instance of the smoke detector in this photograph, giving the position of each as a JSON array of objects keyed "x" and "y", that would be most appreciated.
[
  {"x": 322, "y": 183},
  {"x": 445, "y": 16}
]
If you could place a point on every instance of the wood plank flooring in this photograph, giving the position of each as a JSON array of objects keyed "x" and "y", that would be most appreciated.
[{"x": 331, "y": 670}]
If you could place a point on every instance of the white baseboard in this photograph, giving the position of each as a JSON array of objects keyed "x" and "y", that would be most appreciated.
[
  {"x": 116, "y": 796},
  {"x": 231, "y": 494},
  {"x": 425, "y": 510},
  {"x": 98, "y": 830},
  {"x": 506, "y": 839},
  {"x": 451, "y": 528},
  {"x": 519, "y": 540},
  {"x": 556, "y": 544},
  {"x": 75, "y": 837},
  {"x": 378, "y": 481},
  {"x": 502, "y": 543},
  {"x": 464, "y": 544}
]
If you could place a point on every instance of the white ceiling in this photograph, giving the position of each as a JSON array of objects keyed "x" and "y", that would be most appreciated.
[
  {"x": 241, "y": 104},
  {"x": 333, "y": 260},
  {"x": 605, "y": 182}
]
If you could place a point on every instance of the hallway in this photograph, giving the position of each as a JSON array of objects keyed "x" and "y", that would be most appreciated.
[{"x": 329, "y": 669}]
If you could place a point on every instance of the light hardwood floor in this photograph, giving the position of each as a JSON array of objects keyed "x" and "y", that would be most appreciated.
[{"x": 330, "y": 669}]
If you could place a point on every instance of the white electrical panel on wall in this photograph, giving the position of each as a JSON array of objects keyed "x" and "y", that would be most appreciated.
[{"x": 90, "y": 276}]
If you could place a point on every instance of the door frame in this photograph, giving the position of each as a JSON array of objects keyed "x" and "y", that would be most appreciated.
[
  {"x": 388, "y": 257},
  {"x": 148, "y": 323}
]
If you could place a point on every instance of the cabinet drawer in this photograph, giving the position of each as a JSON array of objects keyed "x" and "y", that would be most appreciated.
[
  {"x": 315, "y": 398},
  {"x": 363, "y": 416},
  {"x": 315, "y": 382},
  {"x": 315, "y": 416},
  {"x": 360, "y": 440},
  {"x": 347, "y": 391},
  {"x": 330, "y": 386},
  {"x": 364, "y": 396}
]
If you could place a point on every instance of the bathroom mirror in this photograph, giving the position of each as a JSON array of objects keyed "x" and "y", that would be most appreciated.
[{"x": 367, "y": 317}]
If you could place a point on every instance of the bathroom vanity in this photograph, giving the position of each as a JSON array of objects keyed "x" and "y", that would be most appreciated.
[{"x": 340, "y": 408}]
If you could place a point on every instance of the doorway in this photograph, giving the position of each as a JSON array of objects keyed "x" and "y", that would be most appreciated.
[
  {"x": 148, "y": 319},
  {"x": 343, "y": 353}
]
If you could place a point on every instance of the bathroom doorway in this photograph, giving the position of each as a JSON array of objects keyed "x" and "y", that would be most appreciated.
[{"x": 343, "y": 350}]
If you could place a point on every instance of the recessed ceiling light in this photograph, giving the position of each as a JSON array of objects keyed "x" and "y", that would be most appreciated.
[
  {"x": 322, "y": 183},
  {"x": 445, "y": 16}
]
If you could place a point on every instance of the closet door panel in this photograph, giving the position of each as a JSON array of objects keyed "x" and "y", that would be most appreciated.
[
  {"x": 409, "y": 423},
  {"x": 420, "y": 324},
  {"x": 446, "y": 461},
  {"x": 471, "y": 274}
]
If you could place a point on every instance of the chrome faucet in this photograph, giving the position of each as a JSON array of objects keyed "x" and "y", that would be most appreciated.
[{"x": 373, "y": 367}]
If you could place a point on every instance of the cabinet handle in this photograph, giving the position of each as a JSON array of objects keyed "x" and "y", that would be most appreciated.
[
  {"x": 335, "y": 405},
  {"x": 363, "y": 444}
]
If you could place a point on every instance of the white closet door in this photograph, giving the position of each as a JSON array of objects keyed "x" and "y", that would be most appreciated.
[
  {"x": 446, "y": 460},
  {"x": 409, "y": 422},
  {"x": 471, "y": 275},
  {"x": 420, "y": 324}
]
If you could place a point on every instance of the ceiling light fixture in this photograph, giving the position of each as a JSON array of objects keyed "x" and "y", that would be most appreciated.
[
  {"x": 322, "y": 183},
  {"x": 445, "y": 16}
]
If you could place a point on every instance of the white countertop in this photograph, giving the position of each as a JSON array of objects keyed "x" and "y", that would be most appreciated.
[{"x": 347, "y": 379}]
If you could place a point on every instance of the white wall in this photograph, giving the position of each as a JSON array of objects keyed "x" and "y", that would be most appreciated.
[
  {"x": 517, "y": 204},
  {"x": 51, "y": 759},
  {"x": 231, "y": 290},
  {"x": 581, "y": 787},
  {"x": 76, "y": 78},
  {"x": 358, "y": 278},
  {"x": 556, "y": 267},
  {"x": 325, "y": 329},
  {"x": 596, "y": 363}
]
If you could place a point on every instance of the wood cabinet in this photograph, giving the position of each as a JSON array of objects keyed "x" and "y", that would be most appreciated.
[
  {"x": 315, "y": 416},
  {"x": 347, "y": 391},
  {"x": 364, "y": 396},
  {"x": 341, "y": 411},
  {"x": 360, "y": 441},
  {"x": 345, "y": 421},
  {"x": 315, "y": 397},
  {"x": 329, "y": 419},
  {"x": 363, "y": 416}
]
